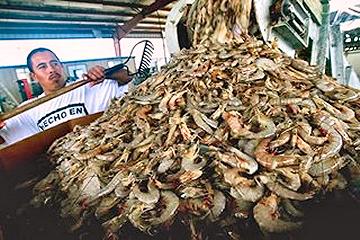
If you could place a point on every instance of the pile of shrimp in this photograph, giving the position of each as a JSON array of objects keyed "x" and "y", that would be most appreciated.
[{"x": 230, "y": 129}]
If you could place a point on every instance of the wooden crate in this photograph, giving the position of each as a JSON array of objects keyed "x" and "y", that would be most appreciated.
[{"x": 27, "y": 150}]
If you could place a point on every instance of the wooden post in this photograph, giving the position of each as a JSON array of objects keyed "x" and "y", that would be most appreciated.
[{"x": 117, "y": 46}]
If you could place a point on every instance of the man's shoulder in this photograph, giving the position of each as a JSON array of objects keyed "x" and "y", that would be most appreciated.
[{"x": 31, "y": 100}]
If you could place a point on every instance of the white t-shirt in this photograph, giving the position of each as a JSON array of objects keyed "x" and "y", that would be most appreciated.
[{"x": 79, "y": 102}]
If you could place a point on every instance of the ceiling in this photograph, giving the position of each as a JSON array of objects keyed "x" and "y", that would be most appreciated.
[{"x": 49, "y": 19}]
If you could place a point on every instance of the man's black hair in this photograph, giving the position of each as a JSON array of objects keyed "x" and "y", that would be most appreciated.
[{"x": 36, "y": 50}]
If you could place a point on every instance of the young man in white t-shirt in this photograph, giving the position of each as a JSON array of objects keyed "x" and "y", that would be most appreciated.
[{"x": 46, "y": 68}]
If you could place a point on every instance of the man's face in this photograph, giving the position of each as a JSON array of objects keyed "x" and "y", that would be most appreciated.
[{"x": 48, "y": 71}]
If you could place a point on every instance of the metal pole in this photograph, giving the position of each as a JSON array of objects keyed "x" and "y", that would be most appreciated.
[{"x": 322, "y": 43}]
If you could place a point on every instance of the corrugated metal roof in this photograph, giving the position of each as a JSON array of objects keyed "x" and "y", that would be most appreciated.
[
  {"x": 347, "y": 19},
  {"x": 38, "y": 19}
]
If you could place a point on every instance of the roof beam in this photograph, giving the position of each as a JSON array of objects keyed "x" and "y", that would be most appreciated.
[
  {"x": 121, "y": 4},
  {"x": 101, "y": 10},
  {"x": 30, "y": 7},
  {"x": 17, "y": 14}
]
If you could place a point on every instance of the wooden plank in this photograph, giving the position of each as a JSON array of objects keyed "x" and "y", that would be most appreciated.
[
  {"x": 42, "y": 100},
  {"x": 24, "y": 152},
  {"x": 315, "y": 8}
]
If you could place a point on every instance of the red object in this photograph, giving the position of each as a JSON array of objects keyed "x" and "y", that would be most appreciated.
[{"x": 27, "y": 88}]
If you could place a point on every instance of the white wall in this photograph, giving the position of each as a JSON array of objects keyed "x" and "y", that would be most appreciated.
[
  {"x": 354, "y": 60},
  {"x": 14, "y": 52}
]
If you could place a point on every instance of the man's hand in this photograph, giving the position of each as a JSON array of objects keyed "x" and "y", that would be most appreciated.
[
  {"x": 122, "y": 76},
  {"x": 95, "y": 75}
]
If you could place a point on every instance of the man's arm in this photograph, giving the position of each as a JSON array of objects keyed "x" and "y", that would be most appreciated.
[
  {"x": 2, "y": 124},
  {"x": 96, "y": 75}
]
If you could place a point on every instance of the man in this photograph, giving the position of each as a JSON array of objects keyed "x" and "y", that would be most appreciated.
[{"x": 46, "y": 68}]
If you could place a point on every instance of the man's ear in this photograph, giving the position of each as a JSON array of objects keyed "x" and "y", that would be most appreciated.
[{"x": 33, "y": 76}]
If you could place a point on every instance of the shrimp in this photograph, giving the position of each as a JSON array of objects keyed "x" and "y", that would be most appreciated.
[
  {"x": 189, "y": 157},
  {"x": 248, "y": 190},
  {"x": 174, "y": 121},
  {"x": 326, "y": 166},
  {"x": 356, "y": 142},
  {"x": 137, "y": 218},
  {"x": 283, "y": 138},
  {"x": 164, "y": 102},
  {"x": 192, "y": 192},
  {"x": 185, "y": 131},
  {"x": 242, "y": 208},
  {"x": 303, "y": 66},
  {"x": 123, "y": 158},
  {"x": 347, "y": 114},
  {"x": 108, "y": 157},
  {"x": 289, "y": 178},
  {"x": 267, "y": 216},
  {"x": 250, "y": 164},
  {"x": 237, "y": 128},
  {"x": 266, "y": 123},
  {"x": 313, "y": 140},
  {"x": 109, "y": 187},
  {"x": 236, "y": 162},
  {"x": 294, "y": 137},
  {"x": 270, "y": 161},
  {"x": 290, "y": 208},
  {"x": 167, "y": 161},
  {"x": 199, "y": 120},
  {"x": 106, "y": 204},
  {"x": 285, "y": 101},
  {"x": 189, "y": 176},
  {"x": 196, "y": 206},
  {"x": 219, "y": 205},
  {"x": 122, "y": 190},
  {"x": 96, "y": 151},
  {"x": 345, "y": 95},
  {"x": 281, "y": 190},
  {"x": 148, "y": 99},
  {"x": 150, "y": 194},
  {"x": 114, "y": 224},
  {"x": 266, "y": 64},
  {"x": 309, "y": 104},
  {"x": 333, "y": 146},
  {"x": 174, "y": 100},
  {"x": 324, "y": 85},
  {"x": 90, "y": 185},
  {"x": 47, "y": 183},
  {"x": 304, "y": 146},
  {"x": 250, "y": 146},
  {"x": 219, "y": 111},
  {"x": 337, "y": 181},
  {"x": 143, "y": 111},
  {"x": 233, "y": 177},
  {"x": 336, "y": 123}
]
